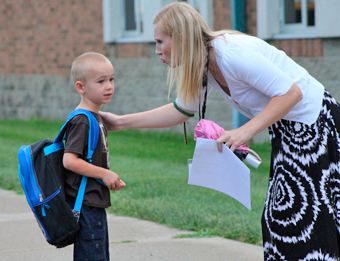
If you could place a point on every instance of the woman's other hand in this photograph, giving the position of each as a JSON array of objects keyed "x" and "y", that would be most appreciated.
[{"x": 233, "y": 139}]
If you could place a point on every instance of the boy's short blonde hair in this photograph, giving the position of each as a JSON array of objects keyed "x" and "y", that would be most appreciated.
[{"x": 82, "y": 63}]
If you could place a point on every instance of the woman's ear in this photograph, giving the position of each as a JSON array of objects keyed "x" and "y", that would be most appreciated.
[{"x": 79, "y": 87}]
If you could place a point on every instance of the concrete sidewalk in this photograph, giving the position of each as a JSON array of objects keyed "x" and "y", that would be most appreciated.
[{"x": 131, "y": 239}]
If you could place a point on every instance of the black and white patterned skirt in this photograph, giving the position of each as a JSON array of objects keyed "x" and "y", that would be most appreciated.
[{"x": 301, "y": 217}]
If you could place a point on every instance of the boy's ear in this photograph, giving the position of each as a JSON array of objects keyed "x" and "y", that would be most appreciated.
[{"x": 79, "y": 87}]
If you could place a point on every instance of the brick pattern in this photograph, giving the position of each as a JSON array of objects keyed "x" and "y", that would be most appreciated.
[
  {"x": 222, "y": 17},
  {"x": 300, "y": 47},
  {"x": 43, "y": 37},
  {"x": 132, "y": 50},
  {"x": 251, "y": 17}
]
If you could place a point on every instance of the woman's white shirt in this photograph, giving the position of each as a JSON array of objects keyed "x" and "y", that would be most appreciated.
[{"x": 256, "y": 71}]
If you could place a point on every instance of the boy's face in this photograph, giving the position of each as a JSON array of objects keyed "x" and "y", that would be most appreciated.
[{"x": 99, "y": 85}]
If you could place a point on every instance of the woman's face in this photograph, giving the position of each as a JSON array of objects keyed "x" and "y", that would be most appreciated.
[{"x": 163, "y": 45}]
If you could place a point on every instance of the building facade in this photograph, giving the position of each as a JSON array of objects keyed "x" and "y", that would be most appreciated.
[{"x": 40, "y": 39}]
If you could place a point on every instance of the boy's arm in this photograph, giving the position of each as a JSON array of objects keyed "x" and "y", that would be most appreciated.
[{"x": 72, "y": 162}]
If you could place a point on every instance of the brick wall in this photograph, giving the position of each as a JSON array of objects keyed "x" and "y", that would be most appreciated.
[
  {"x": 222, "y": 19},
  {"x": 251, "y": 16},
  {"x": 43, "y": 37},
  {"x": 300, "y": 47},
  {"x": 132, "y": 50},
  {"x": 40, "y": 39}
]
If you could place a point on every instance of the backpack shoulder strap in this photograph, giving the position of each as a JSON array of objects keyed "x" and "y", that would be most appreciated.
[
  {"x": 93, "y": 132},
  {"x": 92, "y": 144}
]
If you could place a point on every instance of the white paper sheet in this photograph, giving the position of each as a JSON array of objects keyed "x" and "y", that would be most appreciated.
[{"x": 223, "y": 172}]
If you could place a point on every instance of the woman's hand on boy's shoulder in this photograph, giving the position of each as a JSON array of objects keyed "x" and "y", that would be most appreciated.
[{"x": 110, "y": 120}]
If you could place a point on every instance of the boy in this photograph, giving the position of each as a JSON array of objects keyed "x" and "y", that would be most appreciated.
[{"x": 93, "y": 75}]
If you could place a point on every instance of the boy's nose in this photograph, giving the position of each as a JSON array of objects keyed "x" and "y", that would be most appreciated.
[{"x": 110, "y": 85}]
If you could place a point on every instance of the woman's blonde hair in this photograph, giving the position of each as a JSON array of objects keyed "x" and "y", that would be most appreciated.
[{"x": 189, "y": 47}]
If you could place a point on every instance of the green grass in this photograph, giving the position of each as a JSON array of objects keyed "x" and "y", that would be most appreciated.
[{"x": 154, "y": 167}]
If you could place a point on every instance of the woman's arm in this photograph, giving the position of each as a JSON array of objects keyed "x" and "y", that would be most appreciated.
[
  {"x": 161, "y": 117},
  {"x": 275, "y": 110}
]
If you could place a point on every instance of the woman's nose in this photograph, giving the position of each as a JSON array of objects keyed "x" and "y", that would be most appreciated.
[{"x": 158, "y": 51}]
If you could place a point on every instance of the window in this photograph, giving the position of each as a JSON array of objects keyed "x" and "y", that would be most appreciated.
[
  {"x": 131, "y": 15},
  {"x": 297, "y": 18},
  {"x": 296, "y": 12},
  {"x": 131, "y": 20},
  {"x": 125, "y": 20},
  {"x": 205, "y": 8}
]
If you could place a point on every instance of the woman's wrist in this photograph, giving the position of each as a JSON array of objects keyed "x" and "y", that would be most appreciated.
[
  {"x": 249, "y": 130},
  {"x": 121, "y": 123}
]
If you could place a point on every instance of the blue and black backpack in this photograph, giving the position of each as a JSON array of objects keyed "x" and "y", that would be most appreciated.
[{"x": 41, "y": 174}]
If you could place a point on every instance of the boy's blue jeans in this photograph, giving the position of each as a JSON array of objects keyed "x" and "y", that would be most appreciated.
[{"x": 92, "y": 242}]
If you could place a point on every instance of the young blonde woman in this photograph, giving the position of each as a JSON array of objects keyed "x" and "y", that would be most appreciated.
[{"x": 301, "y": 213}]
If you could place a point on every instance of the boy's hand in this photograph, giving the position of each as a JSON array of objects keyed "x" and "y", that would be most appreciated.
[
  {"x": 121, "y": 185},
  {"x": 112, "y": 181}
]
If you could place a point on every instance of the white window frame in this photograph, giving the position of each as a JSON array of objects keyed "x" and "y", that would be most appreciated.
[
  {"x": 206, "y": 9},
  {"x": 138, "y": 17},
  {"x": 269, "y": 21},
  {"x": 299, "y": 28},
  {"x": 114, "y": 20}
]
